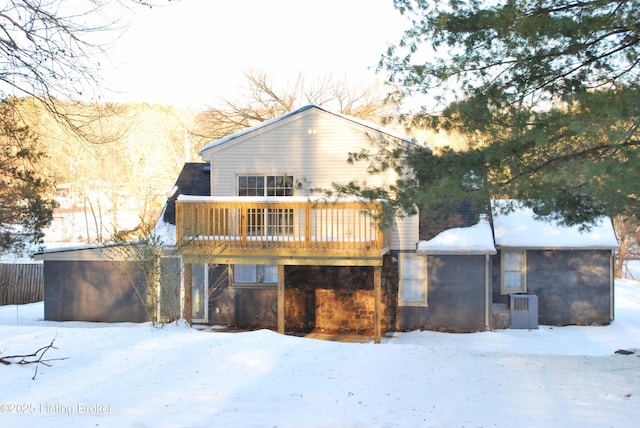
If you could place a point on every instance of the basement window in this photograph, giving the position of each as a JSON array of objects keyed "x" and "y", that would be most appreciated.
[{"x": 255, "y": 275}]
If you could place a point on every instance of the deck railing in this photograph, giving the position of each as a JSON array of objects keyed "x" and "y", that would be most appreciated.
[{"x": 281, "y": 226}]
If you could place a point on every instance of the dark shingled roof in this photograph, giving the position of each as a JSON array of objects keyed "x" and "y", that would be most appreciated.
[{"x": 194, "y": 180}]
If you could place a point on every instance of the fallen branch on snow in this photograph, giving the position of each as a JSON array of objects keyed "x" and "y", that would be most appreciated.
[{"x": 35, "y": 358}]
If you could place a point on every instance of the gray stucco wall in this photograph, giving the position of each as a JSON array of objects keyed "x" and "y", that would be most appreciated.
[
  {"x": 573, "y": 286},
  {"x": 94, "y": 291},
  {"x": 245, "y": 308},
  {"x": 456, "y": 296}
]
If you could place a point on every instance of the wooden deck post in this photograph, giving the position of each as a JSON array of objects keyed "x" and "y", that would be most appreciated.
[
  {"x": 281, "y": 300},
  {"x": 243, "y": 225},
  {"x": 307, "y": 226},
  {"x": 377, "y": 287}
]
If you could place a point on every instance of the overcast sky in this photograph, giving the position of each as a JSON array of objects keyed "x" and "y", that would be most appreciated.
[{"x": 195, "y": 51}]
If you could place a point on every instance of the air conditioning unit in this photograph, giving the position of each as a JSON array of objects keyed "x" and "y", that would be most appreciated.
[{"x": 524, "y": 310}]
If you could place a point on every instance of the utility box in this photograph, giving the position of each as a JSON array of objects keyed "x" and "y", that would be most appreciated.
[{"x": 524, "y": 311}]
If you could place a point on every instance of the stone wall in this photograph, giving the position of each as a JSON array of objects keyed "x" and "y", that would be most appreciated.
[
  {"x": 345, "y": 311},
  {"x": 339, "y": 298},
  {"x": 297, "y": 308}
]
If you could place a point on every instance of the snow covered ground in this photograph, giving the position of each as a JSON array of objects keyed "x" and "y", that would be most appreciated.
[
  {"x": 631, "y": 269},
  {"x": 137, "y": 375}
]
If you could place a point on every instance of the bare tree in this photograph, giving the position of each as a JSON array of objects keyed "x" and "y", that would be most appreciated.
[
  {"x": 128, "y": 175},
  {"x": 264, "y": 100},
  {"x": 628, "y": 234},
  {"x": 50, "y": 50},
  {"x": 46, "y": 46}
]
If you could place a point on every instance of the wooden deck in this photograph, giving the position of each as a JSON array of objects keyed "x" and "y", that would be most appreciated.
[{"x": 281, "y": 230}]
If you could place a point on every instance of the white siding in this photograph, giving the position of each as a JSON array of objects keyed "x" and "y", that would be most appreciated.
[
  {"x": 405, "y": 234},
  {"x": 312, "y": 146}
]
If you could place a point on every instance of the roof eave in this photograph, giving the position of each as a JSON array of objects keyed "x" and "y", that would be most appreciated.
[
  {"x": 556, "y": 247},
  {"x": 436, "y": 252},
  {"x": 259, "y": 126}
]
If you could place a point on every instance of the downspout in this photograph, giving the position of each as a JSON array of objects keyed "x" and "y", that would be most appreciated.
[
  {"x": 487, "y": 295},
  {"x": 612, "y": 279}
]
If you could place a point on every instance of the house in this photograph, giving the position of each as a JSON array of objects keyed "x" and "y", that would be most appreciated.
[
  {"x": 250, "y": 242},
  {"x": 272, "y": 250}
]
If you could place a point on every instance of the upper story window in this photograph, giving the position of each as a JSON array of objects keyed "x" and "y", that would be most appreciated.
[
  {"x": 271, "y": 222},
  {"x": 265, "y": 185}
]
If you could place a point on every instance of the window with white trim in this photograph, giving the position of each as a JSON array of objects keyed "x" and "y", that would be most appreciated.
[
  {"x": 412, "y": 289},
  {"x": 265, "y": 185},
  {"x": 251, "y": 275},
  {"x": 272, "y": 222},
  {"x": 513, "y": 272}
]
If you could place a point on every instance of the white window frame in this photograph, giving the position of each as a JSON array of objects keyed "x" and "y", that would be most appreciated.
[
  {"x": 412, "y": 270},
  {"x": 260, "y": 277},
  {"x": 269, "y": 222},
  {"x": 504, "y": 270},
  {"x": 267, "y": 190},
  {"x": 200, "y": 286}
]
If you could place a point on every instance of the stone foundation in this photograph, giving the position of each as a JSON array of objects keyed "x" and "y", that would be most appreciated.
[
  {"x": 296, "y": 312},
  {"x": 345, "y": 310}
]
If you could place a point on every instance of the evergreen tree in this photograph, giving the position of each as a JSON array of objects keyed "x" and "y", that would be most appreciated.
[
  {"x": 546, "y": 93},
  {"x": 48, "y": 52},
  {"x": 24, "y": 208}
]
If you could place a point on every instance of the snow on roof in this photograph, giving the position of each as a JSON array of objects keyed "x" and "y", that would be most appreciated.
[
  {"x": 165, "y": 232},
  {"x": 476, "y": 239},
  {"x": 521, "y": 229},
  {"x": 57, "y": 247},
  {"x": 300, "y": 110},
  {"x": 319, "y": 199},
  {"x": 78, "y": 251}
]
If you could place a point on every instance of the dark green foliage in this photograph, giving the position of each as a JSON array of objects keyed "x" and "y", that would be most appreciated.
[
  {"x": 546, "y": 93},
  {"x": 438, "y": 182},
  {"x": 24, "y": 209}
]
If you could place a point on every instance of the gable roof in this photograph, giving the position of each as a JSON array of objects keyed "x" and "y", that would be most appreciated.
[
  {"x": 194, "y": 180},
  {"x": 285, "y": 116}
]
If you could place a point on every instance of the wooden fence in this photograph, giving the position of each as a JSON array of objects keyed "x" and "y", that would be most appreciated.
[{"x": 21, "y": 283}]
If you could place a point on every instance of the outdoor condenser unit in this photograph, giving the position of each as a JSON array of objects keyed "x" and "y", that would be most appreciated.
[{"x": 524, "y": 310}]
